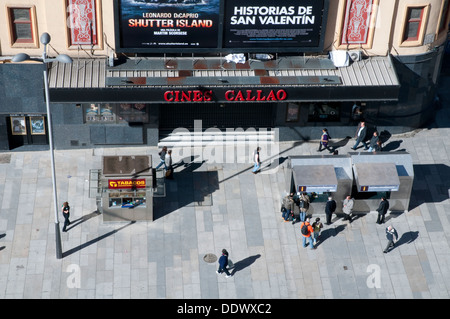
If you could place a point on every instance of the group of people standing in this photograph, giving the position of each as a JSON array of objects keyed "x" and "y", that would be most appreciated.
[
  {"x": 311, "y": 232},
  {"x": 295, "y": 206},
  {"x": 165, "y": 157},
  {"x": 374, "y": 145}
]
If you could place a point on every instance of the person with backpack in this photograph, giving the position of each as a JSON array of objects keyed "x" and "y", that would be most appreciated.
[
  {"x": 303, "y": 204},
  {"x": 307, "y": 231},
  {"x": 317, "y": 226}
]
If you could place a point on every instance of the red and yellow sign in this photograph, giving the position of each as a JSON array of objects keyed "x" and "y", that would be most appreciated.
[{"x": 126, "y": 183}]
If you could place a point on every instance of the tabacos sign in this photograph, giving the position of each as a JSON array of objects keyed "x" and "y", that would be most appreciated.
[
  {"x": 230, "y": 95},
  {"x": 126, "y": 183}
]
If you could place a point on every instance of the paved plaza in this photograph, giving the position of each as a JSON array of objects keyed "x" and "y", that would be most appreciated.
[{"x": 212, "y": 205}]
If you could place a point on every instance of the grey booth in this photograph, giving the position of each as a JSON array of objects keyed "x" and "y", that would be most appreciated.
[
  {"x": 363, "y": 175},
  {"x": 320, "y": 176},
  {"x": 382, "y": 174}
]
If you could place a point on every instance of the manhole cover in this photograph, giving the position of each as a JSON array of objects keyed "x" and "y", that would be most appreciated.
[{"x": 210, "y": 258}]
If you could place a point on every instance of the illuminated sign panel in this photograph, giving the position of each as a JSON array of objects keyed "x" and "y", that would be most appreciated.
[
  {"x": 126, "y": 183},
  {"x": 220, "y": 25}
]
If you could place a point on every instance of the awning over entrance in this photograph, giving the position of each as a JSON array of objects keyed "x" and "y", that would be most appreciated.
[
  {"x": 315, "y": 178},
  {"x": 376, "y": 177},
  {"x": 204, "y": 79}
]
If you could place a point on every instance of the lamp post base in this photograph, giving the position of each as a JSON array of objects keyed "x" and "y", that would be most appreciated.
[{"x": 59, "y": 254}]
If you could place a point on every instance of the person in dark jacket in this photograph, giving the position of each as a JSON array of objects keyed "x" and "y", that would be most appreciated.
[
  {"x": 382, "y": 210},
  {"x": 330, "y": 208},
  {"x": 66, "y": 214},
  {"x": 223, "y": 263},
  {"x": 390, "y": 234},
  {"x": 373, "y": 142},
  {"x": 361, "y": 136}
]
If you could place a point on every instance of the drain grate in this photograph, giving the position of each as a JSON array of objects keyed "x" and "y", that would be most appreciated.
[{"x": 210, "y": 258}]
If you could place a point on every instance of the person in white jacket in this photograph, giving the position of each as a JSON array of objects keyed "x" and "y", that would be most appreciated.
[{"x": 347, "y": 208}]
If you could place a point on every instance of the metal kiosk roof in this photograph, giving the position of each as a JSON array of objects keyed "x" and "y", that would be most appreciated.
[
  {"x": 315, "y": 178},
  {"x": 376, "y": 177}
]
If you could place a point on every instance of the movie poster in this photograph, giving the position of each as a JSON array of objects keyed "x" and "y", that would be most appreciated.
[
  {"x": 178, "y": 24},
  {"x": 269, "y": 23}
]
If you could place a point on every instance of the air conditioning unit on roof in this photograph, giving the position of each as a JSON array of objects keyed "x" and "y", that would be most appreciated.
[{"x": 355, "y": 56}]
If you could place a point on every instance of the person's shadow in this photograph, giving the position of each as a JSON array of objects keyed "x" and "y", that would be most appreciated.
[
  {"x": 244, "y": 263},
  {"x": 329, "y": 232},
  {"x": 406, "y": 238}
]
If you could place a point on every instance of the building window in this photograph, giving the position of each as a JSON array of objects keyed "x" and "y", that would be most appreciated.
[
  {"x": 414, "y": 25},
  {"x": 82, "y": 23},
  {"x": 113, "y": 113},
  {"x": 22, "y": 26}
]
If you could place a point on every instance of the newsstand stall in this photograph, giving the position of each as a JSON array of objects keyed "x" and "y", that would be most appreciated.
[
  {"x": 381, "y": 174},
  {"x": 126, "y": 188},
  {"x": 320, "y": 177}
]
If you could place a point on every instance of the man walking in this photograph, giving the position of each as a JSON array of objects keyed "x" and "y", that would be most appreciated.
[
  {"x": 382, "y": 210},
  {"x": 256, "y": 160},
  {"x": 391, "y": 232},
  {"x": 223, "y": 263},
  {"x": 330, "y": 208},
  {"x": 361, "y": 136}
]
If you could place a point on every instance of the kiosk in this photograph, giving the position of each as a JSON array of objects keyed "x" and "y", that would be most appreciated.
[
  {"x": 126, "y": 184},
  {"x": 381, "y": 174},
  {"x": 320, "y": 177},
  {"x": 365, "y": 176}
]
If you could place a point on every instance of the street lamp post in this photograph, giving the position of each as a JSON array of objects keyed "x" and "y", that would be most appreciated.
[{"x": 45, "y": 39}]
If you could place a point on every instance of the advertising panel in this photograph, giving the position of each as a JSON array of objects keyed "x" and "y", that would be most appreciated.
[
  {"x": 268, "y": 23},
  {"x": 151, "y": 26},
  {"x": 126, "y": 183},
  {"x": 159, "y": 24}
]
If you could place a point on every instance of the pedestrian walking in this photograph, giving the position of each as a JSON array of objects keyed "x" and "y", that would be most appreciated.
[
  {"x": 223, "y": 263},
  {"x": 382, "y": 210},
  {"x": 168, "y": 164},
  {"x": 303, "y": 204},
  {"x": 324, "y": 140},
  {"x": 347, "y": 208},
  {"x": 361, "y": 136},
  {"x": 287, "y": 208},
  {"x": 392, "y": 236},
  {"x": 307, "y": 231},
  {"x": 317, "y": 227},
  {"x": 66, "y": 215},
  {"x": 162, "y": 157},
  {"x": 373, "y": 142},
  {"x": 256, "y": 160},
  {"x": 330, "y": 209}
]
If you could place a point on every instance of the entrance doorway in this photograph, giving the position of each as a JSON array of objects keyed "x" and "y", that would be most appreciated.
[
  {"x": 226, "y": 115},
  {"x": 26, "y": 130}
]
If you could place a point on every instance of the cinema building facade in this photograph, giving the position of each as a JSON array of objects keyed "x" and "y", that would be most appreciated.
[{"x": 143, "y": 68}]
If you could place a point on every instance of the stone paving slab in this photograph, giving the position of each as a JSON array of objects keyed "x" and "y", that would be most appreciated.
[{"x": 164, "y": 258}]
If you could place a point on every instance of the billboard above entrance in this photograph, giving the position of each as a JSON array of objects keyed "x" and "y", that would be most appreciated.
[{"x": 189, "y": 26}]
